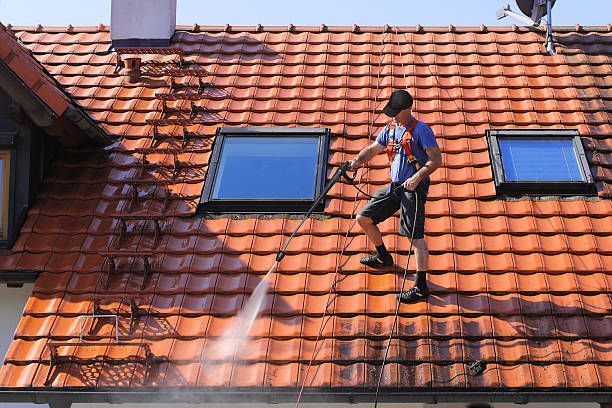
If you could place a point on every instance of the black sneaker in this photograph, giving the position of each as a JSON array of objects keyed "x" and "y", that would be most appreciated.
[
  {"x": 376, "y": 261},
  {"x": 414, "y": 294}
]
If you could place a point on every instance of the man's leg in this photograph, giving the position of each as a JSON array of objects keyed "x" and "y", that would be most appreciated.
[
  {"x": 412, "y": 224},
  {"x": 381, "y": 257},
  {"x": 381, "y": 207},
  {"x": 422, "y": 256},
  {"x": 370, "y": 229}
]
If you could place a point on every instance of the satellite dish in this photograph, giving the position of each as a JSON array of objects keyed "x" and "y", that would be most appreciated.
[
  {"x": 536, "y": 9},
  {"x": 533, "y": 11}
]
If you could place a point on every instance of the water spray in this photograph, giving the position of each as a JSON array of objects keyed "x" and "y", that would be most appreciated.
[{"x": 232, "y": 340}]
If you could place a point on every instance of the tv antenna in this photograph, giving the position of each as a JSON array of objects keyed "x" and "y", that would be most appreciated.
[{"x": 533, "y": 11}]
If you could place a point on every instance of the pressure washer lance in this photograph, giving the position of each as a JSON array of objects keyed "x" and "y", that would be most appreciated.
[{"x": 342, "y": 171}]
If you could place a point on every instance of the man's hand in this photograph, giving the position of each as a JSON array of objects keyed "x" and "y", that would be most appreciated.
[
  {"x": 434, "y": 161},
  {"x": 353, "y": 165},
  {"x": 412, "y": 183}
]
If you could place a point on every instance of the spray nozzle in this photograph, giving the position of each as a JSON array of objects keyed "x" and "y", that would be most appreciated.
[{"x": 344, "y": 169}]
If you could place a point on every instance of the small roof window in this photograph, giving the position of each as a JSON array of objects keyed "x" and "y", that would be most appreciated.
[
  {"x": 265, "y": 170},
  {"x": 539, "y": 162}
]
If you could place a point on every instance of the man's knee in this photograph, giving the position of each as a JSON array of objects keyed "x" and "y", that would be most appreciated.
[
  {"x": 420, "y": 244},
  {"x": 364, "y": 221}
]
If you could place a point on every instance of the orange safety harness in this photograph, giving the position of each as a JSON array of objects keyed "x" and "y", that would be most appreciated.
[{"x": 394, "y": 146}]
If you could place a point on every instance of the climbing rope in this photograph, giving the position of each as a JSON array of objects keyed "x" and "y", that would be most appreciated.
[
  {"x": 405, "y": 275},
  {"x": 477, "y": 367},
  {"x": 332, "y": 288}
]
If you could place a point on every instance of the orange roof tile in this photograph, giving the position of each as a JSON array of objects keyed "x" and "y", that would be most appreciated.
[
  {"x": 19, "y": 59},
  {"x": 522, "y": 285},
  {"x": 45, "y": 101}
]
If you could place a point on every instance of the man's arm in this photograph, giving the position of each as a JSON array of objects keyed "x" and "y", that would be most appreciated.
[
  {"x": 433, "y": 162},
  {"x": 366, "y": 154}
]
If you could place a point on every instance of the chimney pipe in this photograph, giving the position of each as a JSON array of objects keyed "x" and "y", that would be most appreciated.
[{"x": 133, "y": 66}]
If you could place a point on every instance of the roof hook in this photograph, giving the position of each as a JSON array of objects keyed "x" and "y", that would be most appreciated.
[{"x": 477, "y": 367}]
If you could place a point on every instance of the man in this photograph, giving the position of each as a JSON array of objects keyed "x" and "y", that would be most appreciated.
[{"x": 414, "y": 155}]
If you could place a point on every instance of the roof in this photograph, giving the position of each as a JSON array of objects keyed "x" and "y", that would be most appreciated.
[
  {"x": 49, "y": 102},
  {"x": 31, "y": 73},
  {"x": 521, "y": 285}
]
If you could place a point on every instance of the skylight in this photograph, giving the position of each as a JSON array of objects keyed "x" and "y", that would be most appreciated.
[
  {"x": 539, "y": 162},
  {"x": 265, "y": 170}
]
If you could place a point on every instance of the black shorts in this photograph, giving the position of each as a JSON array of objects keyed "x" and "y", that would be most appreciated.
[{"x": 385, "y": 203}]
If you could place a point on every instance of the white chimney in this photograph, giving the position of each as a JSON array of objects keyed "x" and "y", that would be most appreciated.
[{"x": 142, "y": 23}]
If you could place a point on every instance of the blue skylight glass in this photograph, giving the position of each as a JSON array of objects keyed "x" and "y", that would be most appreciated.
[
  {"x": 539, "y": 159},
  {"x": 267, "y": 168}
]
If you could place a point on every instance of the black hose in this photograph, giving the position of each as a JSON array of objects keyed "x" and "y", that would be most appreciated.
[{"x": 396, "y": 314}]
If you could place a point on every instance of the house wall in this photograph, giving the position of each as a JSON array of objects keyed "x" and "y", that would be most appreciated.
[{"x": 12, "y": 302}]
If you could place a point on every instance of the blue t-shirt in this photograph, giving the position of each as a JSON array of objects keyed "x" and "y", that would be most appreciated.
[{"x": 422, "y": 138}]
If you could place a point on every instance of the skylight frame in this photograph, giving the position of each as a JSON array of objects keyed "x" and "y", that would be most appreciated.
[
  {"x": 209, "y": 204},
  {"x": 539, "y": 188}
]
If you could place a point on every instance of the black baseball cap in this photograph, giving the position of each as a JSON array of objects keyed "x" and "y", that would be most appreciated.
[{"x": 398, "y": 101}]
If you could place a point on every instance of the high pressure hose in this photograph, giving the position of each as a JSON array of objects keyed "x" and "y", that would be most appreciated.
[
  {"x": 396, "y": 314},
  {"x": 342, "y": 171}
]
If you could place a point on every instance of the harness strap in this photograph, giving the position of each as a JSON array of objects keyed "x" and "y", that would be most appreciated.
[{"x": 406, "y": 144}]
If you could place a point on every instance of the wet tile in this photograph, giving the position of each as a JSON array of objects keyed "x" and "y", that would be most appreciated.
[
  {"x": 26, "y": 351},
  {"x": 19, "y": 375},
  {"x": 40, "y": 304},
  {"x": 75, "y": 305}
]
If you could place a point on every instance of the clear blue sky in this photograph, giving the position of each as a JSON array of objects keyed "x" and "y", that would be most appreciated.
[{"x": 309, "y": 12}]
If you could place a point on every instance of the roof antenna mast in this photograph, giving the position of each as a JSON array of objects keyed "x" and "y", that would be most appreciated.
[{"x": 533, "y": 11}]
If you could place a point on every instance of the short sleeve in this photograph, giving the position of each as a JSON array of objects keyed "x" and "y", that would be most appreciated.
[
  {"x": 383, "y": 136},
  {"x": 427, "y": 138}
]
